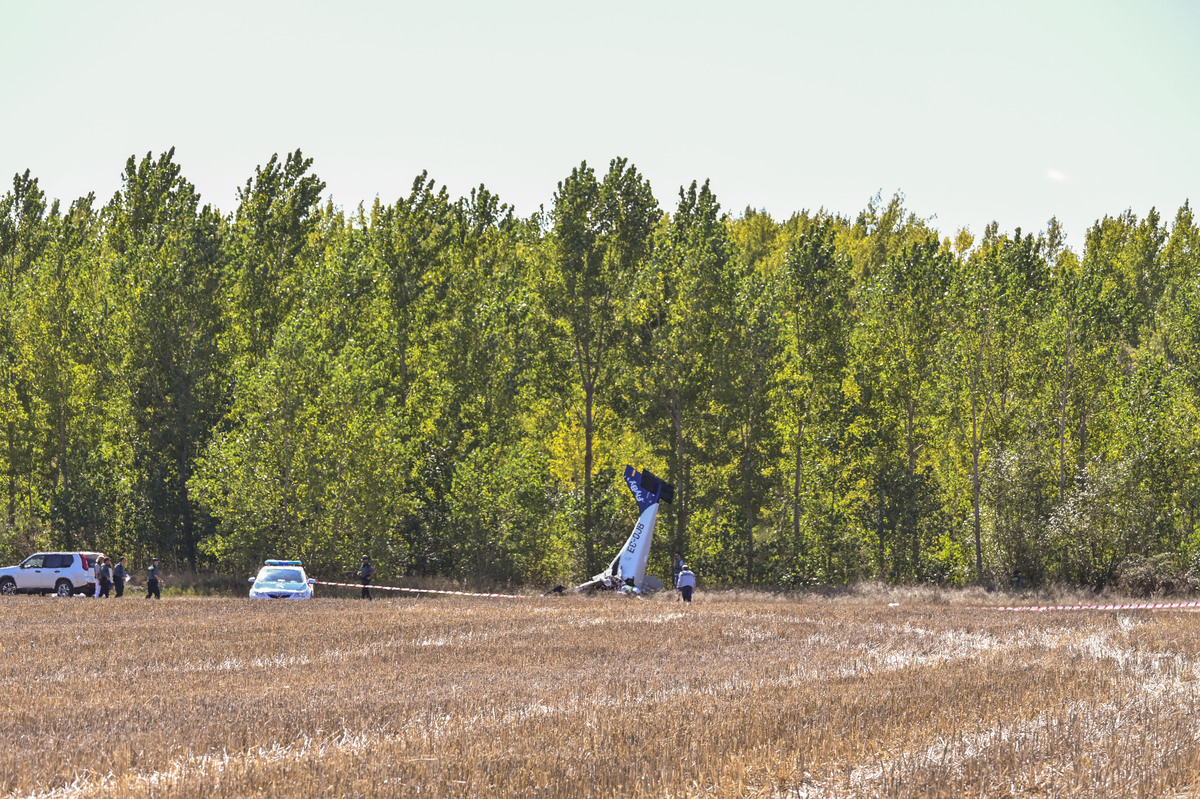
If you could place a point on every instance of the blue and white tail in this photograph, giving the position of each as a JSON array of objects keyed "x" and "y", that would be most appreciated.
[{"x": 629, "y": 566}]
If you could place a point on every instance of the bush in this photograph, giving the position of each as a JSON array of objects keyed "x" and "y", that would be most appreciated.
[
  {"x": 185, "y": 583},
  {"x": 1156, "y": 576}
]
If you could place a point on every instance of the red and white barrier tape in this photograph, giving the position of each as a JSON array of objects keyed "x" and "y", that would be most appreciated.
[
  {"x": 1146, "y": 606},
  {"x": 424, "y": 590}
]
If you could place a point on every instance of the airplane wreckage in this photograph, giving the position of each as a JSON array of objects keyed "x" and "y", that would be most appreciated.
[{"x": 627, "y": 572}]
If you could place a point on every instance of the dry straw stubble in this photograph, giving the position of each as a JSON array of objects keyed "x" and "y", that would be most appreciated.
[{"x": 572, "y": 696}]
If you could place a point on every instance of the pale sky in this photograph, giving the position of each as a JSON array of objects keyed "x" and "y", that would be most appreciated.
[{"x": 1012, "y": 111}]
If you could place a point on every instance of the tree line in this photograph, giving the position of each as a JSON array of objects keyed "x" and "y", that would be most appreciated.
[{"x": 454, "y": 390}]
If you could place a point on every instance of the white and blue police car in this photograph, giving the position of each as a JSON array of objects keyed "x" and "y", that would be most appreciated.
[{"x": 282, "y": 579}]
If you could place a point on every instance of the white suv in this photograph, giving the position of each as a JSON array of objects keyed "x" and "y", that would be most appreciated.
[{"x": 63, "y": 573}]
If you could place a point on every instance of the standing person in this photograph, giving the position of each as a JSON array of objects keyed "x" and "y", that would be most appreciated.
[
  {"x": 153, "y": 578},
  {"x": 686, "y": 582},
  {"x": 365, "y": 573},
  {"x": 104, "y": 570},
  {"x": 118, "y": 576},
  {"x": 676, "y": 568}
]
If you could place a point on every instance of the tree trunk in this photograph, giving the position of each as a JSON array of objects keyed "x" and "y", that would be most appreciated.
[
  {"x": 748, "y": 515},
  {"x": 1064, "y": 397},
  {"x": 189, "y": 519},
  {"x": 588, "y": 434},
  {"x": 681, "y": 494},
  {"x": 1083, "y": 436},
  {"x": 12, "y": 477},
  {"x": 910, "y": 511},
  {"x": 976, "y": 445},
  {"x": 751, "y": 519},
  {"x": 883, "y": 572},
  {"x": 798, "y": 482},
  {"x": 796, "y": 496},
  {"x": 64, "y": 474}
]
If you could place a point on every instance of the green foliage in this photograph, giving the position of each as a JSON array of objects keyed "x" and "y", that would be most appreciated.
[
  {"x": 455, "y": 391},
  {"x": 600, "y": 238},
  {"x": 166, "y": 256}
]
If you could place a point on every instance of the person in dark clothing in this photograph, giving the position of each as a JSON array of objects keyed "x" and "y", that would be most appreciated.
[
  {"x": 104, "y": 571},
  {"x": 118, "y": 577},
  {"x": 153, "y": 580},
  {"x": 676, "y": 568},
  {"x": 365, "y": 573}
]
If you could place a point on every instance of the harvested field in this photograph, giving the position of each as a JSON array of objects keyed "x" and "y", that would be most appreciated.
[{"x": 573, "y": 696}]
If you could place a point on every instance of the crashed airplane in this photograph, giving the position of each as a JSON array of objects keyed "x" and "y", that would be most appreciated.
[{"x": 628, "y": 569}]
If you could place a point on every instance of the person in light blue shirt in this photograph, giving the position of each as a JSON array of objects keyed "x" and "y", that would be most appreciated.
[{"x": 686, "y": 582}]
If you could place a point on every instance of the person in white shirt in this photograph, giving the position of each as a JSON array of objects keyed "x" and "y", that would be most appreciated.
[{"x": 686, "y": 583}]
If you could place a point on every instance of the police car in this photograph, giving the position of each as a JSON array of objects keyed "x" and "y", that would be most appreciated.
[{"x": 282, "y": 579}]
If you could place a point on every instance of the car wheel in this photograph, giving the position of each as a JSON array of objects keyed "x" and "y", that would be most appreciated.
[
  {"x": 8, "y": 586},
  {"x": 64, "y": 588}
]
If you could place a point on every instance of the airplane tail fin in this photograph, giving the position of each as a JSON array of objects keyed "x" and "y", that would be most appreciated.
[
  {"x": 648, "y": 491},
  {"x": 647, "y": 488}
]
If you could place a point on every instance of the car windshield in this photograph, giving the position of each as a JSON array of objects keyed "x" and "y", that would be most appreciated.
[{"x": 280, "y": 575}]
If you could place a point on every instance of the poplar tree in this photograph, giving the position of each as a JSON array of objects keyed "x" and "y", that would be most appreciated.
[
  {"x": 166, "y": 261},
  {"x": 601, "y": 233},
  {"x": 24, "y": 236}
]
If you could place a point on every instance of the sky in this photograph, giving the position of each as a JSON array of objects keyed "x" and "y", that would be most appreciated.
[{"x": 1010, "y": 112}]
